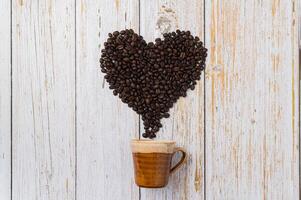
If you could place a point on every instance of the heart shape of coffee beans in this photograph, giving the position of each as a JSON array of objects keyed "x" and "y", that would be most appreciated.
[{"x": 151, "y": 77}]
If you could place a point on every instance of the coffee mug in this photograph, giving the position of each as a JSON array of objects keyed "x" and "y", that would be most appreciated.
[{"x": 152, "y": 161}]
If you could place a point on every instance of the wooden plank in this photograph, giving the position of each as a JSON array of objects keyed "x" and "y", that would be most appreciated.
[
  {"x": 43, "y": 99},
  {"x": 104, "y": 124},
  {"x": 5, "y": 102},
  {"x": 186, "y": 123},
  {"x": 252, "y": 111}
]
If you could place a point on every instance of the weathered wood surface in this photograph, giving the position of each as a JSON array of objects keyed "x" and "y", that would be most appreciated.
[
  {"x": 43, "y": 64},
  {"x": 186, "y": 123},
  {"x": 105, "y": 125},
  {"x": 5, "y": 101},
  {"x": 252, "y": 97},
  {"x": 70, "y": 135}
]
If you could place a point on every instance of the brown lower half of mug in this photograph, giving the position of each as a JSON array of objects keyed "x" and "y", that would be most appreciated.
[{"x": 152, "y": 169}]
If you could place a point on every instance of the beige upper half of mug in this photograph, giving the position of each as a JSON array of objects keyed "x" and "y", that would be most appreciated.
[{"x": 152, "y": 146}]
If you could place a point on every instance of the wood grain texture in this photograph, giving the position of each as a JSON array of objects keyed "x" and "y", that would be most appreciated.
[
  {"x": 252, "y": 111},
  {"x": 186, "y": 123},
  {"x": 105, "y": 125},
  {"x": 43, "y": 99},
  {"x": 5, "y": 102},
  {"x": 71, "y": 136}
]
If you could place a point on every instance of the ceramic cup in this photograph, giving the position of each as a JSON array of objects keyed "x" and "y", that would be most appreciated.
[{"x": 152, "y": 161}]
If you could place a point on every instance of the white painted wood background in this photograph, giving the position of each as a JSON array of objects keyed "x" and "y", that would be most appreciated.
[{"x": 63, "y": 135}]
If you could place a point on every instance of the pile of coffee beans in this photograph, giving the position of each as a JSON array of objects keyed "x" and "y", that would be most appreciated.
[{"x": 151, "y": 77}]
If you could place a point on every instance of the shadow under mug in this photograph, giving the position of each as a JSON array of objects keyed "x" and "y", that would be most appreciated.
[{"x": 152, "y": 161}]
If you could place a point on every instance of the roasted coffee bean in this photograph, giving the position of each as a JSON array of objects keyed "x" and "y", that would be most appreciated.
[
  {"x": 165, "y": 115},
  {"x": 151, "y": 77}
]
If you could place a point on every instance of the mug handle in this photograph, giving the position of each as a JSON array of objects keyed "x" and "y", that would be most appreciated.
[{"x": 181, "y": 162}]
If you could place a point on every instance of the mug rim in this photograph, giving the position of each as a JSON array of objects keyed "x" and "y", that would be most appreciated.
[{"x": 147, "y": 141}]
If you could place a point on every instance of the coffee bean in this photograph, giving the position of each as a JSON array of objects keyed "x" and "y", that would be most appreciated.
[
  {"x": 151, "y": 77},
  {"x": 115, "y": 33},
  {"x": 165, "y": 115}
]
